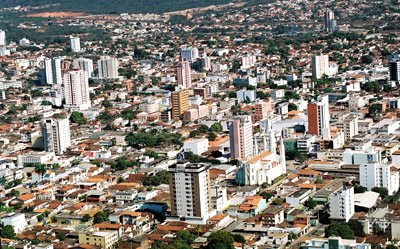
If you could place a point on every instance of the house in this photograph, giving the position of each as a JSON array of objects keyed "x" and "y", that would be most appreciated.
[
  {"x": 253, "y": 205},
  {"x": 273, "y": 215},
  {"x": 17, "y": 221},
  {"x": 298, "y": 197}
]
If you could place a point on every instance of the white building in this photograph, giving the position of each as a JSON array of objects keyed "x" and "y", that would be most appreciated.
[
  {"x": 76, "y": 90},
  {"x": 318, "y": 116},
  {"x": 197, "y": 146},
  {"x": 190, "y": 192},
  {"x": 320, "y": 66},
  {"x": 108, "y": 68},
  {"x": 75, "y": 44},
  {"x": 3, "y": 38},
  {"x": 53, "y": 71},
  {"x": 262, "y": 168},
  {"x": 219, "y": 198},
  {"x": 241, "y": 137},
  {"x": 190, "y": 54},
  {"x": 56, "y": 134},
  {"x": 84, "y": 64},
  {"x": 362, "y": 156},
  {"x": 379, "y": 175},
  {"x": 341, "y": 204},
  {"x": 17, "y": 221},
  {"x": 246, "y": 95}
]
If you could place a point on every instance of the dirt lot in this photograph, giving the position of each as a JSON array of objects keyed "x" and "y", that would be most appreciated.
[{"x": 57, "y": 14}]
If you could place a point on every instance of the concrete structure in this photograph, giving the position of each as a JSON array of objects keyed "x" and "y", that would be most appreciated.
[
  {"x": 379, "y": 175},
  {"x": 84, "y": 64},
  {"x": 179, "y": 103},
  {"x": 330, "y": 22},
  {"x": 334, "y": 243},
  {"x": 75, "y": 44},
  {"x": 56, "y": 135},
  {"x": 184, "y": 77},
  {"x": 190, "y": 192},
  {"x": 318, "y": 116},
  {"x": 394, "y": 67},
  {"x": 104, "y": 239},
  {"x": 197, "y": 146},
  {"x": 320, "y": 65},
  {"x": 76, "y": 90},
  {"x": 189, "y": 53},
  {"x": 108, "y": 68},
  {"x": 349, "y": 125},
  {"x": 241, "y": 137},
  {"x": 341, "y": 203},
  {"x": 246, "y": 95},
  {"x": 17, "y": 221},
  {"x": 53, "y": 71},
  {"x": 3, "y": 41}
]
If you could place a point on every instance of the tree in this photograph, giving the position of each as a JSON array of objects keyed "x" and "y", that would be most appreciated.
[
  {"x": 357, "y": 228},
  {"x": 216, "y": 127},
  {"x": 359, "y": 189},
  {"x": 366, "y": 59},
  {"x": 292, "y": 107},
  {"x": 40, "y": 168},
  {"x": 211, "y": 136},
  {"x": 339, "y": 230},
  {"x": 77, "y": 118},
  {"x": 60, "y": 236},
  {"x": 107, "y": 104},
  {"x": 383, "y": 192},
  {"x": 86, "y": 218},
  {"x": 159, "y": 178},
  {"x": 220, "y": 240},
  {"x": 310, "y": 203},
  {"x": 8, "y": 232},
  {"x": 100, "y": 217},
  {"x": 374, "y": 110}
]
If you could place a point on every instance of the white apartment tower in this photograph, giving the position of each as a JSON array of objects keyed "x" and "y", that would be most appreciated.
[
  {"x": 2, "y": 38},
  {"x": 108, "y": 68},
  {"x": 56, "y": 134},
  {"x": 76, "y": 90},
  {"x": 320, "y": 66},
  {"x": 53, "y": 71},
  {"x": 190, "y": 192},
  {"x": 379, "y": 175},
  {"x": 330, "y": 21},
  {"x": 85, "y": 65},
  {"x": 241, "y": 137},
  {"x": 184, "y": 74},
  {"x": 341, "y": 203},
  {"x": 394, "y": 67},
  {"x": 75, "y": 44}
]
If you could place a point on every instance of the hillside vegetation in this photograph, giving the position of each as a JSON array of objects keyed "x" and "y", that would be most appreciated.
[{"x": 115, "y": 6}]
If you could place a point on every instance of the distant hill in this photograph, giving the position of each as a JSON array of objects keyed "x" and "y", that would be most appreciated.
[{"x": 115, "y": 6}]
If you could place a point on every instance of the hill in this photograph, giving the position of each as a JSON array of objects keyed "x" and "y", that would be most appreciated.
[{"x": 114, "y": 6}]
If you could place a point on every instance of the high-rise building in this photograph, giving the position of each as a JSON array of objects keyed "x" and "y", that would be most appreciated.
[
  {"x": 330, "y": 21},
  {"x": 190, "y": 192},
  {"x": 184, "y": 74},
  {"x": 379, "y": 175},
  {"x": 394, "y": 67},
  {"x": 349, "y": 125},
  {"x": 56, "y": 134},
  {"x": 108, "y": 68},
  {"x": 341, "y": 203},
  {"x": 85, "y": 65},
  {"x": 318, "y": 116},
  {"x": 261, "y": 110},
  {"x": 320, "y": 66},
  {"x": 75, "y": 44},
  {"x": 241, "y": 137},
  {"x": 3, "y": 41},
  {"x": 189, "y": 54},
  {"x": 53, "y": 71},
  {"x": 179, "y": 103},
  {"x": 76, "y": 90}
]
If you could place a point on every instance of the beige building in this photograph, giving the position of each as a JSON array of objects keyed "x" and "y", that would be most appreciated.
[
  {"x": 105, "y": 239},
  {"x": 190, "y": 192},
  {"x": 179, "y": 103}
]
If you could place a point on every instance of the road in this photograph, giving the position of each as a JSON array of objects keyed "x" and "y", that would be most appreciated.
[{"x": 297, "y": 243}]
